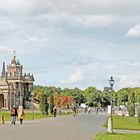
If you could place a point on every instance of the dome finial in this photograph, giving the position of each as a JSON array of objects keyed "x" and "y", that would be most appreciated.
[
  {"x": 13, "y": 62},
  {"x": 14, "y": 53}
]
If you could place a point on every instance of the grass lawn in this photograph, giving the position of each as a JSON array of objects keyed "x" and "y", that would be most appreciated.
[
  {"x": 28, "y": 115},
  {"x": 117, "y": 137},
  {"x": 129, "y": 123}
]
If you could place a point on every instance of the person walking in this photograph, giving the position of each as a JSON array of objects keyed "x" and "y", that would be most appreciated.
[
  {"x": 74, "y": 111},
  {"x": 89, "y": 110},
  {"x": 85, "y": 109},
  {"x": 54, "y": 111},
  {"x": 21, "y": 114},
  {"x": 97, "y": 110},
  {"x": 14, "y": 114},
  {"x": 60, "y": 112}
]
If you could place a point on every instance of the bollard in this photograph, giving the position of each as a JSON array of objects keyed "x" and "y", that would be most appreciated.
[
  {"x": 109, "y": 129},
  {"x": 2, "y": 119}
]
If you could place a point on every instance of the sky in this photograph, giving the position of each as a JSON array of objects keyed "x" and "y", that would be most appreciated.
[{"x": 73, "y": 43}]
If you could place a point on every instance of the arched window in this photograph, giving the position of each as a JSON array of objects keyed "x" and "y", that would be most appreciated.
[{"x": 1, "y": 100}]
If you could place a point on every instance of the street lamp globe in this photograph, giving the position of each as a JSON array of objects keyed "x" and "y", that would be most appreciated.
[{"x": 111, "y": 82}]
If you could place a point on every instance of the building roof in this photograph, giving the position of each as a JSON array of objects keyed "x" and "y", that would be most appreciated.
[{"x": 13, "y": 62}]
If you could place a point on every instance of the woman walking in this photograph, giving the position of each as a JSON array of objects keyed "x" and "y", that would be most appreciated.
[
  {"x": 21, "y": 114},
  {"x": 14, "y": 114}
]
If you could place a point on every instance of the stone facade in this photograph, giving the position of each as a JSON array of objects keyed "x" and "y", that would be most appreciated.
[{"x": 15, "y": 87}]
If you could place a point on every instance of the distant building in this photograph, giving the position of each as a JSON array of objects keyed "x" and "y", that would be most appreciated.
[{"x": 15, "y": 87}]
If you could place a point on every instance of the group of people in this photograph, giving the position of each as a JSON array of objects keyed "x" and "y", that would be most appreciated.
[
  {"x": 17, "y": 113},
  {"x": 20, "y": 114},
  {"x": 87, "y": 109}
]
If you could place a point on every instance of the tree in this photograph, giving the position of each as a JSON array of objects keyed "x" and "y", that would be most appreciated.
[
  {"x": 57, "y": 101},
  {"x": 139, "y": 114},
  {"x": 51, "y": 103},
  {"x": 105, "y": 101},
  {"x": 131, "y": 109},
  {"x": 44, "y": 104},
  {"x": 67, "y": 101},
  {"x": 122, "y": 96},
  {"x": 131, "y": 102},
  {"x": 93, "y": 96},
  {"x": 64, "y": 101},
  {"x": 37, "y": 95},
  {"x": 78, "y": 96}
]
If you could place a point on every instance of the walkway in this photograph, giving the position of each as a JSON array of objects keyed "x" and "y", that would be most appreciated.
[{"x": 81, "y": 127}]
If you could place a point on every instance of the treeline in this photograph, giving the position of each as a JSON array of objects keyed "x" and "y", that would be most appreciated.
[
  {"x": 90, "y": 96},
  {"x": 48, "y": 97}
]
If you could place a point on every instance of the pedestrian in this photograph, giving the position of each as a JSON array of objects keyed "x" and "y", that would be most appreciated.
[
  {"x": 21, "y": 114},
  {"x": 77, "y": 110},
  {"x": 89, "y": 110},
  {"x": 97, "y": 110},
  {"x": 60, "y": 112},
  {"x": 54, "y": 111},
  {"x": 85, "y": 109},
  {"x": 14, "y": 114},
  {"x": 74, "y": 111}
]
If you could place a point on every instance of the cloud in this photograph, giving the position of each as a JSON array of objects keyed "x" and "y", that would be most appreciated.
[
  {"x": 80, "y": 41},
  {"x": 129, "y": 81},
  {"x": 92, "y": 21},
  {"x": 134, "y": 31},
  {"x": 4, "y": 49},
  {"x": 75, "y": 77}
]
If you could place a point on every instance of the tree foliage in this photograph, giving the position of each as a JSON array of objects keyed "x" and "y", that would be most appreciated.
[
  {"x": 43, "y": 104},
  {"x": 51, "y": 103},
  {"x": 91, "y": 96}
]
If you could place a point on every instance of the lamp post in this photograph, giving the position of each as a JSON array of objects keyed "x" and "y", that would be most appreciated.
[
  {"x": 32, "y": 94},
  {"x": 110, "y": 120}
]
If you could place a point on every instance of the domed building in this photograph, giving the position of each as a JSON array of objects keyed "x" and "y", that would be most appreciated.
[{"x": 15, "y": 87}]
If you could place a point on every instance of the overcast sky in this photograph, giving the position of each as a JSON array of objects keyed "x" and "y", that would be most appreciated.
[{"x": 73, "y": 43}]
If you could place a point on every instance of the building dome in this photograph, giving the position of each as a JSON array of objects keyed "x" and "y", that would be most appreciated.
[{"x": 13, "y": 62}]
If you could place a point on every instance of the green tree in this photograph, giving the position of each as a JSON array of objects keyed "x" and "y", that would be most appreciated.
[
  {"x": 51, "y": 103},
  {"x": 93, "y": 96},
  {"x": 131, "y": 109},
  {"x": 139, "y": 114},
  {"x": 123, "y": 96},
  {"x": 131, "y": 102},
  {"x": 105, "y": 101},
  {"x": 44, "y": 104}
]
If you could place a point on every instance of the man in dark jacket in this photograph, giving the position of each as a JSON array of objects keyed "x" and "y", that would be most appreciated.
[{"x": 14, "y": 114}]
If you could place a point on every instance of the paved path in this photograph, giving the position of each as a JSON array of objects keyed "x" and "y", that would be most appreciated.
[
  {"x": 81, "y": 127},
  {"x": 126, "y": 131}
]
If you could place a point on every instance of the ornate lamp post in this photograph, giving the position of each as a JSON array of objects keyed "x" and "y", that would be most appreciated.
[
  {"x": 110, "y": 120},
  {"x": 32, "y": 94}
]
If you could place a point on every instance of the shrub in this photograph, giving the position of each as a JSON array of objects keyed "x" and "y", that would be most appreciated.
[
  {"x": 131, "y": 109},
  {"x": 139, "y": 114},
  {"x": 43, "y": 104}
]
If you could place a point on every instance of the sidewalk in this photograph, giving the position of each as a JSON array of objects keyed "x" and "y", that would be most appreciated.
[{"x": 126, "y": 131}]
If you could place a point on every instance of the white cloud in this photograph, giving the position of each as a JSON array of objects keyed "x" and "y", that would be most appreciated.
[
  {"x": 92, "y": 21},
  {"x": 75, "y": 77},
  {"x": 129, "y": 81},
  {"x": 50, "y": 33},
  {"x": 93, "y": 67},
  {"x": 87, "y": 21},
  {"x": 4, "y": 48},
  {"x": 134, "y": 31},
  {"x": 15, "y": 7}
]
